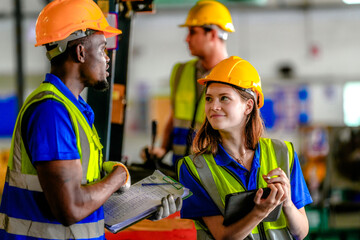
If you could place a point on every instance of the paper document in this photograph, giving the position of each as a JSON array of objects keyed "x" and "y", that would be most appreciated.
[{"x": 124, "y": 209}]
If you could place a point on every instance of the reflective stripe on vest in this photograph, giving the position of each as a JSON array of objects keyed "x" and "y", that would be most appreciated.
[
  {"x": 283, "y": 158},
  {"x": 184, "y": 97},
  {"x": 51, "y": 231},
  {"x": 22, "y": 174}
]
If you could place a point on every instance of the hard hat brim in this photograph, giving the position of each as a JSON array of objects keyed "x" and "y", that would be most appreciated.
[
  {"x": 108, "y": 32},
  {"x": 230, "y": 28},
  {"x": 203, "y": 81},
  {"x": 111, "y": 31}
]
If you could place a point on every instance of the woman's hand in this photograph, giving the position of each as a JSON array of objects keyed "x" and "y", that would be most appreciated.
[
  {"x": 297, "y": 221},
  {"x": 278, "y": 176},
  {"x": 265, "y": 205}
]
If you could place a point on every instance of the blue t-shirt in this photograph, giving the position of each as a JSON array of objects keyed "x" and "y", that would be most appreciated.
[
  {"x": 48, "y": 135},
  {"x": 48, "y": 130},
  {"x": 200, "y": 203}
]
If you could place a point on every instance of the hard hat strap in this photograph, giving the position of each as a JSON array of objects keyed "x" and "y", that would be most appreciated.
[
  {"x": 62, "y": 44},
  {"x": 248, "y": 90},
  {"x": 221, "y": 33},
  {"x": 251, "y": 92}
]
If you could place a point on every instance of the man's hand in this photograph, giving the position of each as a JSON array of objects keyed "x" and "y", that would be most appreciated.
[
  {"x": 148, "y": 153},
  {"x": 69, "y": 200},
  {"x": 109, "y": 166},
  {"x": 168, "y": 207}
]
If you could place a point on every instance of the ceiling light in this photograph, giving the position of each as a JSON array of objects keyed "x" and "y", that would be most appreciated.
[{"x": 351, "y": 1}]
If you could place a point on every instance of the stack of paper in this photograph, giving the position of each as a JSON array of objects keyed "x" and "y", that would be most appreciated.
[{"x": 140, "y": 201}]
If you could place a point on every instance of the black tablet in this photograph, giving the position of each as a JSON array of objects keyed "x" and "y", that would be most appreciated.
[{"x": 238, "y": 205}]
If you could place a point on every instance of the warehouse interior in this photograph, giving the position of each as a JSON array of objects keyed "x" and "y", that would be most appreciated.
[{"x": 306, "y": 52}]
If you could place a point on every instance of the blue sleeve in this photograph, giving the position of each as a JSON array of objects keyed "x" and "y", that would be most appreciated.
[
  {"x": 300, "y": 194},
  {"x": 49, "y": 134},
  {"x": 199, "y": 204}
]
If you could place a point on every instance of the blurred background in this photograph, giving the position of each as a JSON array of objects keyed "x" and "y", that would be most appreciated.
[{"x": 306, "y": 52}]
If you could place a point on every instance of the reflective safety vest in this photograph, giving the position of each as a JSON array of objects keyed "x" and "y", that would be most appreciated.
[
  {"x": 188, "y": 110},
  {"x": 22, "y": 186},
  {"x": 218, "y": 181}
]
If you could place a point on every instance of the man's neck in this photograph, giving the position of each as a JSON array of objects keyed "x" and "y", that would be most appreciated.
[
  {"x": 208, "y": 62},
  {"x": 70, "y": 80}
]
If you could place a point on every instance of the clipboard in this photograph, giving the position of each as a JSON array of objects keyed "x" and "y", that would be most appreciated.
[
  {"x": 238, "y": 205},
  {"x": 124, "y": 209}
]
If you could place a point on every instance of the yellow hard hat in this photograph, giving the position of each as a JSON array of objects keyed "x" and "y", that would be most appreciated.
[
  {"x": 60, "y": 18},
  {"x": 209, "y": 12},
  {"x": 237, "y": 72}
]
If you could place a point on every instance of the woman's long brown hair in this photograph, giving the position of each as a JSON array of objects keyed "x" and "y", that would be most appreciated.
[{"x": 207, "y": 138}]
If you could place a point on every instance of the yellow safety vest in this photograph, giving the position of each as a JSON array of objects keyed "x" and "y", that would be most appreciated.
[
  {"x": 23, "y": 175},
  {"x": 218, "y": 181},
  {"x": 184, "y": 104}
]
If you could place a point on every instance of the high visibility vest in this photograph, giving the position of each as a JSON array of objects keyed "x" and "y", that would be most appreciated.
[
  {"x": 185, "y": 105},
  {"x": 22, "y": 177},
  {"x": 218, "y": 181}
]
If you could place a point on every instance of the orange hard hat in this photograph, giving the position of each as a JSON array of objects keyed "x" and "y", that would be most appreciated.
[
  {"x": 60, "y": 18},
  {"x": 237, "y": 72}
]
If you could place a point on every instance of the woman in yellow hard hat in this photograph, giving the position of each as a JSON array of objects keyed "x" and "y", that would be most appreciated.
[
  {"x": 231, "y": 156},
  {"x": 54, "y": 187}
]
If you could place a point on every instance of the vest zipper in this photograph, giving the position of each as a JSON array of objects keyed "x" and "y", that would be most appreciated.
[{"x": 261, "y": 231}]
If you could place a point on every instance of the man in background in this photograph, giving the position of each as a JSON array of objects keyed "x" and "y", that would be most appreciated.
[{"x": 209, "y": 23}]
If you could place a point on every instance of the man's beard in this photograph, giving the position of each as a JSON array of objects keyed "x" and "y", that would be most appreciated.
[{"x": 101, "y": 86}]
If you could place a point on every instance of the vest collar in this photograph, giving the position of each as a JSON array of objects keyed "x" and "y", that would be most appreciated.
[{"x": 79, "y": 103}]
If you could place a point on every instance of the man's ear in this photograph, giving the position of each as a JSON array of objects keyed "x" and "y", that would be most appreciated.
[
  {"x": 80, "y": 53},
  {"x": 214, "y": 34}
]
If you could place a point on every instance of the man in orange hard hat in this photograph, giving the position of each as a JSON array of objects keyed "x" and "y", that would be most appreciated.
[
  {"x": 209, "y": 23},
  {"x": 54, "y": 188}
]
